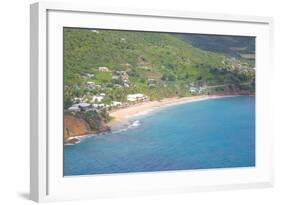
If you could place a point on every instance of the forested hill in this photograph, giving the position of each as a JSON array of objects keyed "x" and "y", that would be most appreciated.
[
  {"x": 153, "y": 61},
  {"x": 236, "y": 46}
]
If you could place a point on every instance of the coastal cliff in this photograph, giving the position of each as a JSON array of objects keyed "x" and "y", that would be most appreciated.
[{"x": 76, "y": 127}]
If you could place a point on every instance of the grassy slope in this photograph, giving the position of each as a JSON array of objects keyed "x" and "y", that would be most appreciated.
[{"x": 150, "y": 55}]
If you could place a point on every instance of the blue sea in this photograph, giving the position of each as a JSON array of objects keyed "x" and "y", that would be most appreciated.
[{"x": 214, "y": 133}]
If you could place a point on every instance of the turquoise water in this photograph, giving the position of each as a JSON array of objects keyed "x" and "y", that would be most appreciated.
[{"x": 215, "y": 133}]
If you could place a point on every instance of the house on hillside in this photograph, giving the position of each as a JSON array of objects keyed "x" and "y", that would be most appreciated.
[
  {"x": 95, "y": 31},
  {"x": 90, "y": 85},
  {"x": 123, "y": 40},
  {"x": 124, "y": 76},
  {"x": 151, "y": 82},
  {"x": 104, "y": 69},
  {"x": 77, "y": 100}
]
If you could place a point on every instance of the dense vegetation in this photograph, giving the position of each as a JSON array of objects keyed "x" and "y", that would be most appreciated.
[
  {"x": 234, "y": 46},
  {"x": 95, "y": 119},
  {"x": 158, "y": 64}
]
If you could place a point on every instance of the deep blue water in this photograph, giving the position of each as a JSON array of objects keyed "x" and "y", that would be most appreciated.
[{"x": 216, "y": 133}]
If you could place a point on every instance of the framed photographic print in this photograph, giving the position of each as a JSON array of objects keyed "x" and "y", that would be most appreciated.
[{"x": 127, "y": 102}]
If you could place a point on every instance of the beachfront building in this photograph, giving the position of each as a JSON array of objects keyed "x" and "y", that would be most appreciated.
[
  {"x": 80, "y": 107},
  {"x": 74, "y": 109},
  {"x": 136, "y": 97},
  {"x": 99, "y": 105},
  {"x": 123, "y": 40},
  {"x": 104, "y": 69},
  {"x": 116, "y": 103},
  {"x": 195, "y": 90}
]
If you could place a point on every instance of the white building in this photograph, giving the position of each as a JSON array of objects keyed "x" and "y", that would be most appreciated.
[
  {"x": 136, "y": 97},
  {"x": 77, "y": 100},
  {"x": 98, "y": 105},
  {"x": 74, "y": 109},
  {"x": 90, "y": 85},
  {"x": 83, "y": 105},
  {"x": 193, "y": 90},
  {"x": 116, "y": 103},
  {"x": 104, "y": 69},
  {"x": 126, "y": 85},
  {"x": 95, "y": 31},
  {"x": 97, "y": 98}
]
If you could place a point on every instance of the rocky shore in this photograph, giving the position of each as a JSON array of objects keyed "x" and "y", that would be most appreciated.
[{"x": 75, "y": 129}]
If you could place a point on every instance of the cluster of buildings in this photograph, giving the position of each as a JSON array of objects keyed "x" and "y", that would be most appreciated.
[
  {"x": 97, "y": 102},
  {"x": 122, "y": 78},
  {"x": 195, "y": 90}
]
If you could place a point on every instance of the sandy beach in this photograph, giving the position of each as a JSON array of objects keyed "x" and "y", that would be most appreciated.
[{"x": 122, "y": 114}]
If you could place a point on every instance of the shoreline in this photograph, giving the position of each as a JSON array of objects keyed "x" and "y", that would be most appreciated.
[{"x": 122, "y": 115}]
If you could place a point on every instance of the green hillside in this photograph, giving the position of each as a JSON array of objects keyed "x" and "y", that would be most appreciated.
[
  {"x": 157, "y": 64},
  {"x": 236, "y": 46}
]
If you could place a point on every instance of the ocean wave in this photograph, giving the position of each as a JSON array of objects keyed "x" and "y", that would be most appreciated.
[
  {"x": 131, "y": 125},
  {"x": 136, "y": 123},
  {"x": 78, "y": 139}
]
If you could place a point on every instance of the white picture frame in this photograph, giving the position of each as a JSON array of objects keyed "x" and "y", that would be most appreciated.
[{"x": 46, "y": 179}]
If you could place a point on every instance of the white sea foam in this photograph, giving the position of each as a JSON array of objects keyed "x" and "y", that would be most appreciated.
[
  {"x": 125, "y": 127},
  {"x": 136, "y": 123}
]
